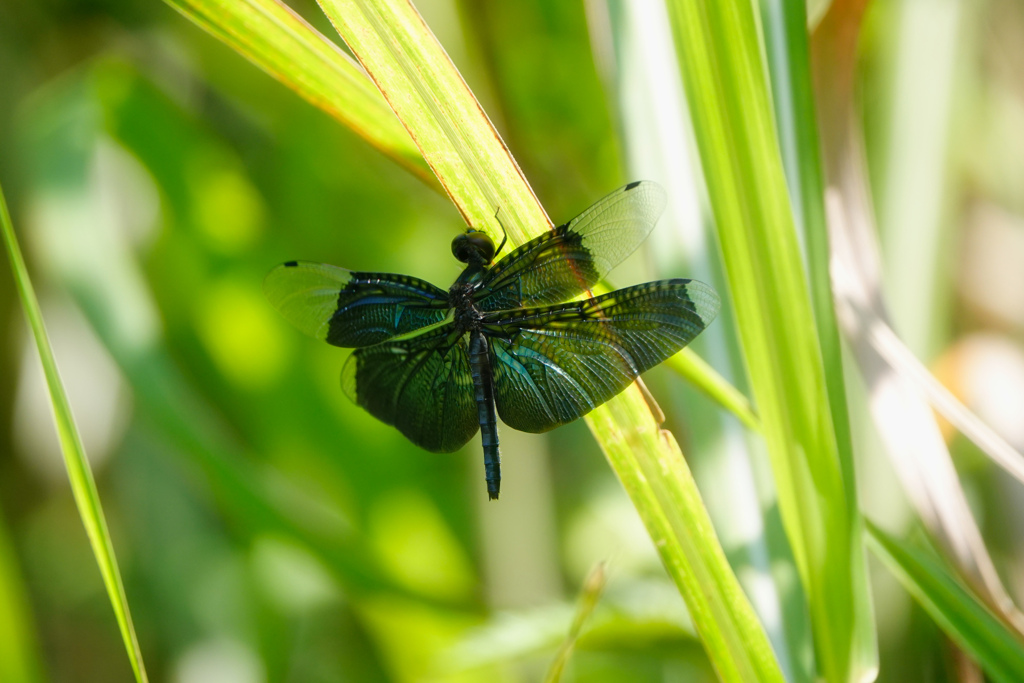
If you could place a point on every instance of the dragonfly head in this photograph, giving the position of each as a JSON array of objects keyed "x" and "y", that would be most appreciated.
[{"x": 473, "y": 246}]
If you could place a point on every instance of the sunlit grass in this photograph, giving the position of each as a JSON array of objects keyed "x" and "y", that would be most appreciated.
[
  {"x": 959, "y": 612},
  {"x": 79, "y": 473},
  {"x": 313, "y": 514}
]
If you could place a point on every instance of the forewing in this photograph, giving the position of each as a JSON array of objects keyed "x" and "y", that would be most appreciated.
[
  {"x": 352, "y": 309},
  {"x": 421, "y": 385},
  {"x": 553, "y": 365},
  {"x": 572, "y": 258}
]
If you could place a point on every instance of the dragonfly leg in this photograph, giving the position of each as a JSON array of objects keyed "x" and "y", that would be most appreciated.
[{"x": 483, "y": 387}]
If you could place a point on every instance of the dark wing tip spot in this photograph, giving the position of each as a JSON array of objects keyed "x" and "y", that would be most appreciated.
[
  {"x": 291, "y": 264},
  {"x": 632, "y": 185}
]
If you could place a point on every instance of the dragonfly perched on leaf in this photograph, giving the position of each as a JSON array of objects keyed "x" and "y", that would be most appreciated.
[{"x": 437, "y": 364}]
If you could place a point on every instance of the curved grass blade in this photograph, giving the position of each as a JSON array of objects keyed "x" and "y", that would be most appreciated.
[
  {"x": 458, "y": 141},
  {"x": 279, "y": 41},
  {"x": 635, "y": 50},
  {"x": 724, "y": 74},
  {"x": 701, "y": 375},
  {"x": 654, "y": 473},
  {"x": 452, "y": 131},
  {"x": 82, "y": 485},
  {"x": 593, "y": 586},
  {"x": 788, "y": 57},
  {"x": 958, "y": 611}
]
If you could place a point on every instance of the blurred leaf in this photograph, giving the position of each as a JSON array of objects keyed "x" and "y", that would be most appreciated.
[
  {"x": 92, "y": 258},
  {"x": 904, "y": 420},
  {"x": 82, "y": 485},
  {"x": 414, "y": 544},
  {"x": 19, "y": 652},
  {"x": 701, "y": 375},
  {"x": 953, "y": 606},
  {"x": 888, "y": 345},
  {"x": 731, "y": 109},
  {"x": 916, "y": 205},
  {"x": 788, "y": 55},
  {"x": 636, "y": 615},
  {"x": 279, "y": 41},
  {"x": 590, "y": 594},
  {"x": 411, "y": 634}
]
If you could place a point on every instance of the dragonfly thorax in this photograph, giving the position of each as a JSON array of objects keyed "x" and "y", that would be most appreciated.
[{"x": 461, "y": 296}]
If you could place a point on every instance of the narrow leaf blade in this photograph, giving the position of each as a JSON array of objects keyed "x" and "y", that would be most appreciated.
[
  {"x": 724, "y": 73},
  {"x": 960, "y": 614},
  {"x": 454, "y": 134},
  {"x": 279, "y": 41},
  {"x": 82, "y": 485}
]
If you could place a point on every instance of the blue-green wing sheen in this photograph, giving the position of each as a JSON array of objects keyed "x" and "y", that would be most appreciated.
[
  {"x": 422, "y": 385},
  {"x": 572, "y": 258},
  {"x": 555, "y": 364},
  {"x": 351, "y": 309}
]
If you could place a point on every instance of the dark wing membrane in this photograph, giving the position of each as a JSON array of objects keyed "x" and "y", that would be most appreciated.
[
  {"x": 570, "y": 259},
  {"x": 351, "y": 309},
  {"x": 553, "y": 365},
  {"x": 421, "y": 385}
]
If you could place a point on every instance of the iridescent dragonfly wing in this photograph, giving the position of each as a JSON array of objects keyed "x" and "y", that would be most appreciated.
[
  {"x": 572, "y": 258},
  {"x": 422, "y": 385},
  {"x": 352, "y": 309},
  {"x": 552, "y": 365}
]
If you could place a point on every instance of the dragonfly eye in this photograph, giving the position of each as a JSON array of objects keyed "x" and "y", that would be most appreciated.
[{"x": 473, "y": 245}]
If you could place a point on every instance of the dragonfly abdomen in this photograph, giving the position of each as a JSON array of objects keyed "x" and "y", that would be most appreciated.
[{"x": 483, "y": 388}]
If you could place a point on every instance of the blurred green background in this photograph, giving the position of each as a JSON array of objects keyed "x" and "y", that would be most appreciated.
[{"x": 267, "y": 529}]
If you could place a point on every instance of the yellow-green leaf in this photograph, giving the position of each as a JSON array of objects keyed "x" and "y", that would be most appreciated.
[
  {"x": 279, "y": 41},
  {"x": 953, "y": 606},
  {"x": 427, "y": 92},
  {"x": 724, "y": 72}
]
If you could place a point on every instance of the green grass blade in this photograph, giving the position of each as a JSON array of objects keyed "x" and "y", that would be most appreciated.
[
  {"x": 654, "y": 473},
  {"x": 789, "y": 68},
  {"x": 82, "y": 485},
  {"x": 458, "y": 141},
  {"x": 788, "y": 53},
  {"x": 701, "y": 375},
  {"x": 593, "y": 586},
  {"x": 730, "y": 104},
  {"x": 19, "y": 661},
  {"x": 276, "y": 39},
  {"x": 960, "y": 614},
  {"x": 634, "y": 45},
  {"x": 454, "y": 134}
]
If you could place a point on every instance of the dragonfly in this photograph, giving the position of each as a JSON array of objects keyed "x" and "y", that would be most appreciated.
[{"x": 506, "y": 339}]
